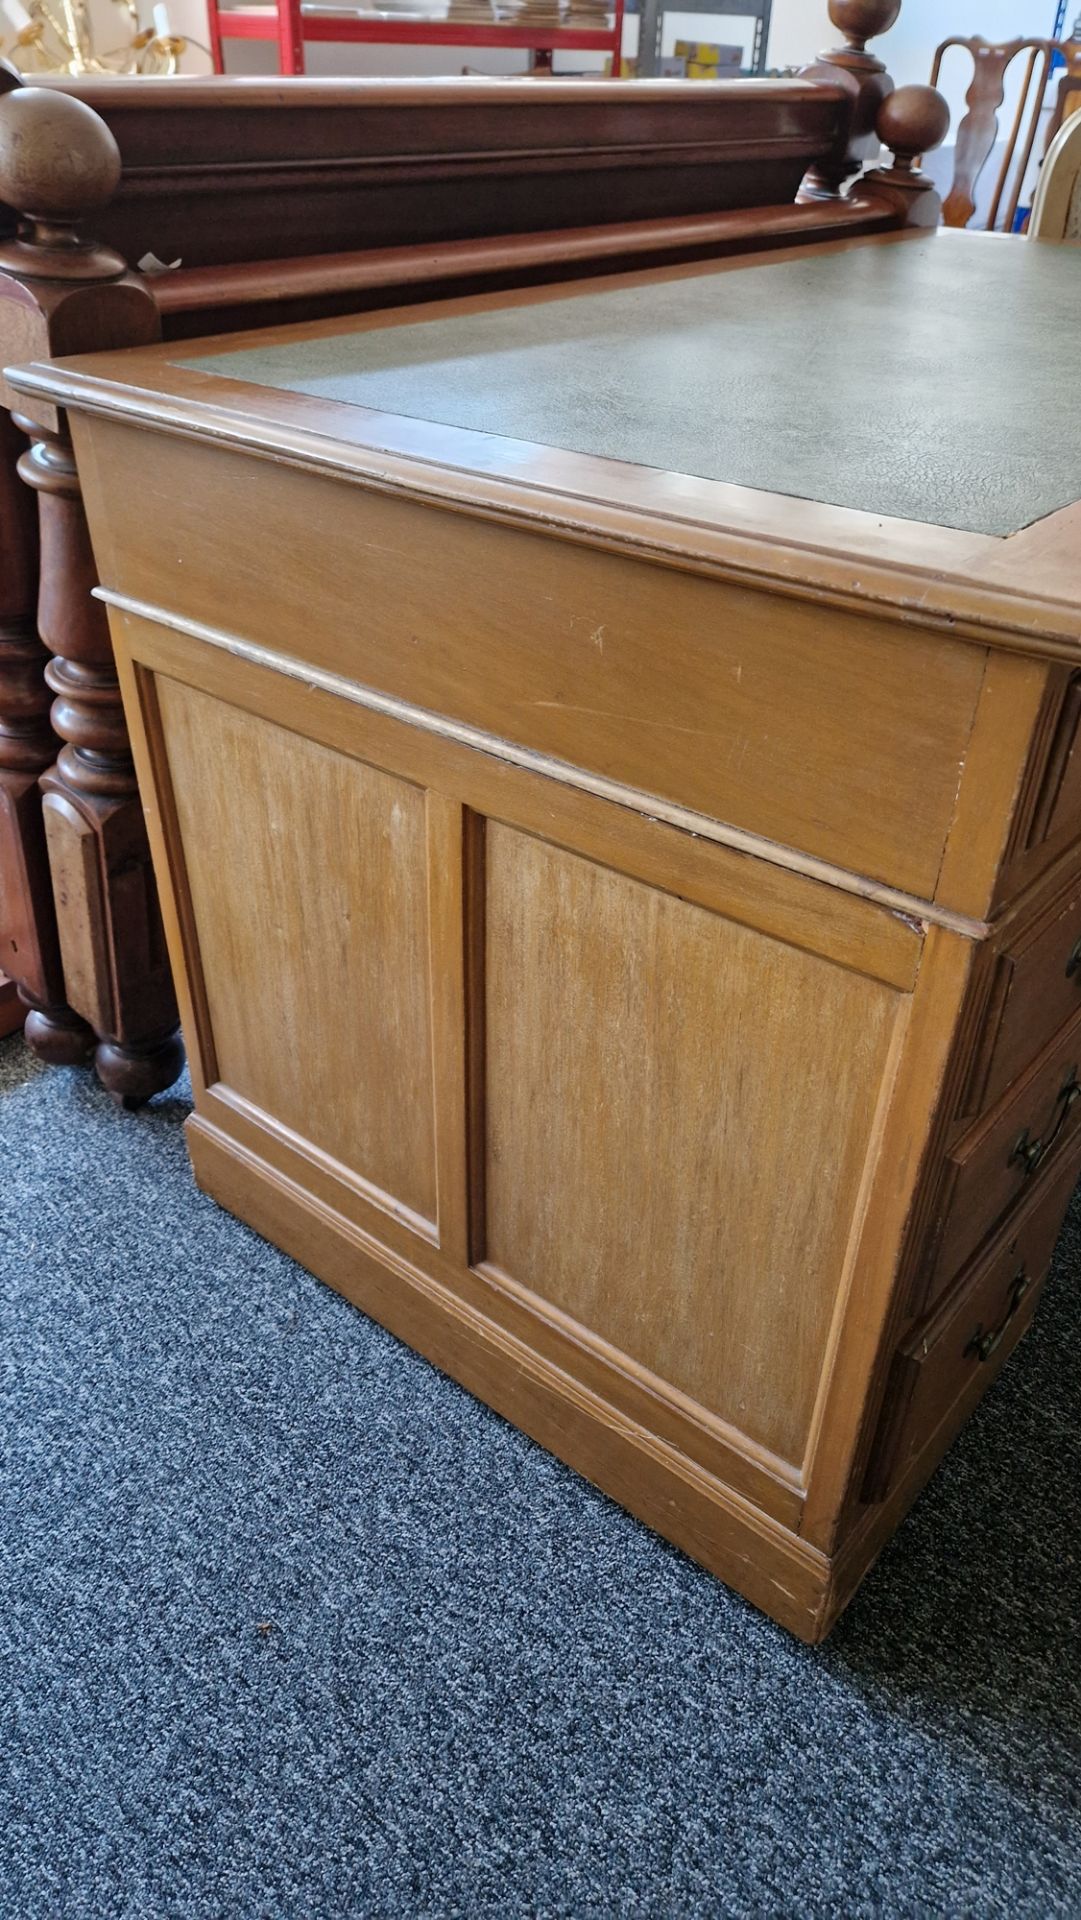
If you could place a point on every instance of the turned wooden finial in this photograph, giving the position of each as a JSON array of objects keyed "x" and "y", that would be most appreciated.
[
  {"x": 912, "y": 121},
  {"x": 58, "y": 163},
  {"x": 867, "y": 84},
  {"x": 862, "y": 20}
]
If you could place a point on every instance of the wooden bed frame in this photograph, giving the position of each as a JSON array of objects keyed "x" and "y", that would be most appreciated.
[{"x": 291, "y": 200}]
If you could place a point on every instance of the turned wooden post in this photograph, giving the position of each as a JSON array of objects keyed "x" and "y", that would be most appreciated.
[
  {"x": 29, "y": 946},
  {"x": 60, "y": 294},
  {"x": 867, "y": 84},
  {"x": 31, "y": 976}
]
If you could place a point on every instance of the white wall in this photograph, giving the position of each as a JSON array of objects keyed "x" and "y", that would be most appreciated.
[
  {"x": 800, "y": 29},
  {"x": 907, "y": 51}
]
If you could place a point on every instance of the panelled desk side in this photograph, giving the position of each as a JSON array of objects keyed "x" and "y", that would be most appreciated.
[{"x": 717, "y": 1000}]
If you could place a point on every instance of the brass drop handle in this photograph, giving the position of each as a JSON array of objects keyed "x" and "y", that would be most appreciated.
[
  {"x": 982, "y": 1344},
  {"x": 1033, "y": 1153}
]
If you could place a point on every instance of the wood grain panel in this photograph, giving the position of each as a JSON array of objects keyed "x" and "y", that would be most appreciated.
[
  {"x": 678, "y": 1112},
  {"x": 724, "y": 700},
  {"x": 308, "y": 878},
  {"x": 213, "y": 172}
]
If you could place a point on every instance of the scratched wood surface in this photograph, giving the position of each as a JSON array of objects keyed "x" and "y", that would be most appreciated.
[{"x": 742, "y": 711}]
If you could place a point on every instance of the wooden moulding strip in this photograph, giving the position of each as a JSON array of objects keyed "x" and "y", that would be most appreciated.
[
  {"x": 261, "y": 93},
  {"x": 922, "y": 913},
  {"x": 942, "y": 601},
  {"x": 761, "y": 1558},
  {"x": 201, "y": 289}
]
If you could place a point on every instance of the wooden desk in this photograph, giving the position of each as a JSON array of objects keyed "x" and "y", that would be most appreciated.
[
  {"x": 287, "y": 202},
  {"x": 627, "y": 917}
]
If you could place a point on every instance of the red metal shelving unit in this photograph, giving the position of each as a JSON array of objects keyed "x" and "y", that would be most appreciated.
[{"x": 292, "y": 24}]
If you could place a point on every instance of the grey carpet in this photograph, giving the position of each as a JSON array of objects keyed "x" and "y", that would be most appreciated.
[{"x": 291, "y": 1626}]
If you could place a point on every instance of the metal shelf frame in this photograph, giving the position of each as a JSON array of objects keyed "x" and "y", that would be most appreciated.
[
  {"x": 292, "y": 24},
  {"x": 651, "y": 24}
]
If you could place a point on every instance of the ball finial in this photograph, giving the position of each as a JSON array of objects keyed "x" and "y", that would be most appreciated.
[
  {"x": 911, "y": 121},
  {"x": 863, "y": 20},
  {"x": 58, "y": 159}
]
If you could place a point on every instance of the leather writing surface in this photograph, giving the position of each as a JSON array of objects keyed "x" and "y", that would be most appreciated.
[{"x": 924, "y": 380}]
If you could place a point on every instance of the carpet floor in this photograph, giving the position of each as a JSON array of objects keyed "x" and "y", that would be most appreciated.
[{"x": 291, "y": 1626}]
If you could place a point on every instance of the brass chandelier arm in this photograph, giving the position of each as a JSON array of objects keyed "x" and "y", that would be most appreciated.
[{"x": 61, "y": 40}]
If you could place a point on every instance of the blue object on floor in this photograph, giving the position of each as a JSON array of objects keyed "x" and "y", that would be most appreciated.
[{"x": 290, "y": 1626}]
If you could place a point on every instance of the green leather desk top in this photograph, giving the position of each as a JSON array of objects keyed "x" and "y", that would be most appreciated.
[{"x": 927, "y": 380}]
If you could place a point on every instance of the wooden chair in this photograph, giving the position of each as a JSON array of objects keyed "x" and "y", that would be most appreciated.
[
  {"x": 1056, "y": 210},
  {"x": 978, "y": 132},
  {"x": 1068, "y": 88}
]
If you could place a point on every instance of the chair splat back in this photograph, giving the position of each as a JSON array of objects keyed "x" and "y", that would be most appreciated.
[{"x": 977, "y": 134}]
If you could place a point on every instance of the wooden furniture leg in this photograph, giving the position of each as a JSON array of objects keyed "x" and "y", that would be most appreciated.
[
  {"x": 12, "y": 1011},
  {"x": 29, "y": 947},
  {"x": 58, "y": 161},
  {"x": 115, "y": 965}
]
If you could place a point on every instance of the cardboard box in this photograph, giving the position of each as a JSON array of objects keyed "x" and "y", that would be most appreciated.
[{"x": 705, "y": 53}]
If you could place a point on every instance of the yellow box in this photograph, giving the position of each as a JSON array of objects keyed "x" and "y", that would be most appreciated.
[{"x": 706, "y": 53}]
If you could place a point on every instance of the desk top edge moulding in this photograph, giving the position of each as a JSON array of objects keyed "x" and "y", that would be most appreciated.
[{"x": 679, "y": 1043}]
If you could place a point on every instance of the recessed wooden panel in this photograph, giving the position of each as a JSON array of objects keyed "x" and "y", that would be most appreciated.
[
  {"x": 308, "y": 879},
  {"x": 678, "y": 1112}
]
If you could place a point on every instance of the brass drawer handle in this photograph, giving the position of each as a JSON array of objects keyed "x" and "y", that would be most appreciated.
[
  {"x": 982, "y": 1344},
  {"x": 1073, "y": 964},
  {"x": 1033, "y": 1153}
]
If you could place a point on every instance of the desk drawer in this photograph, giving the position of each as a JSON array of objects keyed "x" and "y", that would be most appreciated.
[
  {"x": 959, "y": 1349},
  {"x": 839, "y": 736},
  {"x": 1037, "y": 988},
  {"x": 1058, "y": 806},
  {"x": 996, "y": 1163},
  {"x": 1050, "y": 819}
]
